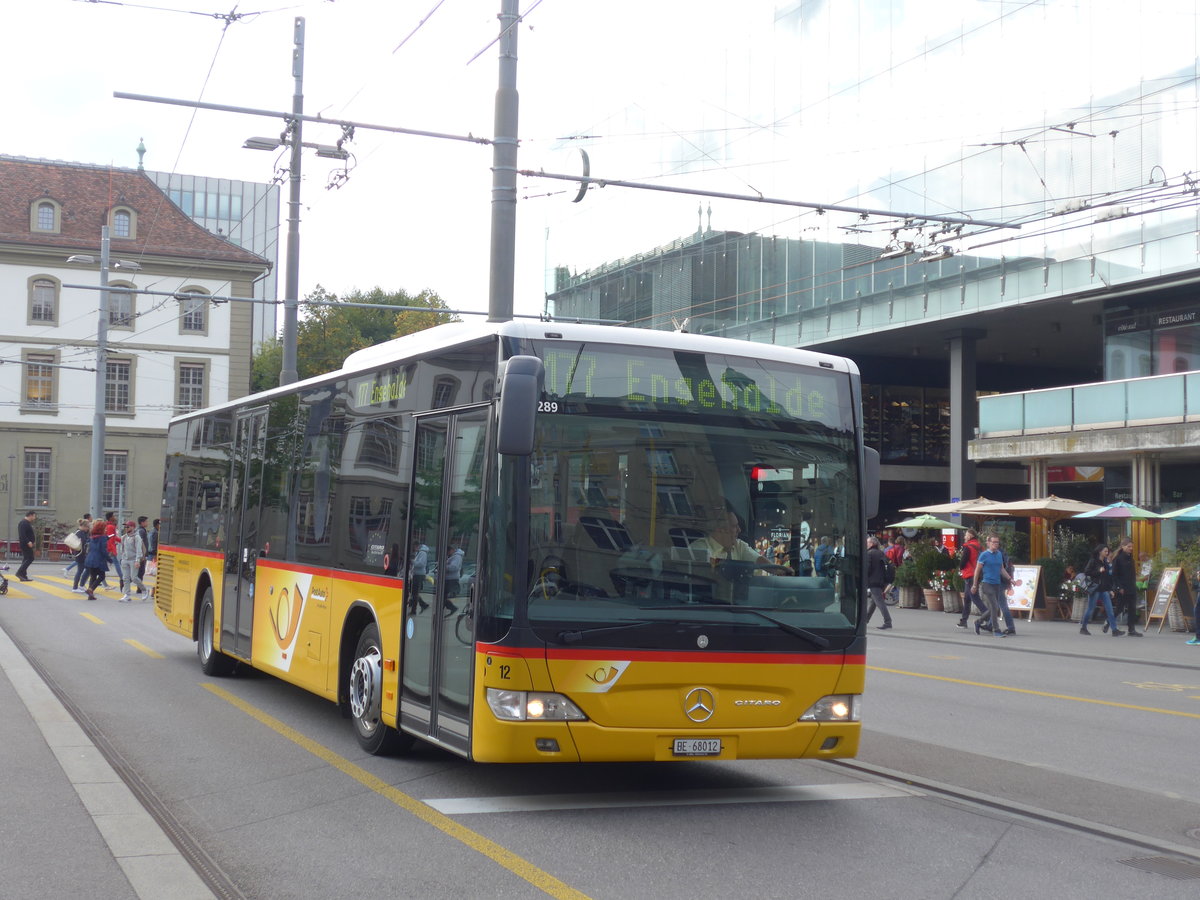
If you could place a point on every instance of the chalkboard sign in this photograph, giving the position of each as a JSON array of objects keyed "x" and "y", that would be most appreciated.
[
  {"x": 1172, "y": 588},
  {"x": 1026, "y": 592}
]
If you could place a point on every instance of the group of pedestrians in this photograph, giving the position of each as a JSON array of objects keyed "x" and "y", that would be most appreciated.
[{"x": 128, "y": 550}]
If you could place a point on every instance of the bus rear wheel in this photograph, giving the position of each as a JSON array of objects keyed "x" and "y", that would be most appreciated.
[
  {"x": 366, "y": 698},
  {"x": 212, "y": 661}
]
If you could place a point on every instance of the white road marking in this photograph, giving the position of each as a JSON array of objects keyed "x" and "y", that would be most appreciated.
[{"x": 462, "y": 806}]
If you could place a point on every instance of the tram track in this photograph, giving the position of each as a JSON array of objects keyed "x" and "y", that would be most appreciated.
[{"x": 1172, "y": 854}]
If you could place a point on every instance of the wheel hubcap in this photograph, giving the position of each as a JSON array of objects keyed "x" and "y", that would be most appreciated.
[{"x": 365, "y": 677}]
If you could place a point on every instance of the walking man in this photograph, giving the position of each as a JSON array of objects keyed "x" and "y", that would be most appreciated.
[
  {"x": 989, "y": 580},
  {"x": 131, "y": 552},
  {"x": 876, "y": 579},
  {"x": 27, "y": 539},
  {"x": 970, "y": 558},
  {"x": 1125, "y": 586}
]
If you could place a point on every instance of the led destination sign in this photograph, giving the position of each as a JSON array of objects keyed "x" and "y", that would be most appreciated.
[
  {"x": 699, "y": 382},
  {"x": 380, "y": 389}
]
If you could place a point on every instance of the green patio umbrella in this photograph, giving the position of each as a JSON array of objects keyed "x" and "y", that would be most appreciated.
[{"x": 925, "y": 521}]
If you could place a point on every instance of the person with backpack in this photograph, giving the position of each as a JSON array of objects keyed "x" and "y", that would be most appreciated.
[
  {"x": 877, "y": 577},
  {"x": 968, "y": 558}
]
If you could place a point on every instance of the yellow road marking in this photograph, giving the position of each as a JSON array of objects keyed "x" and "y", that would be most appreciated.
[
  {"x": 153, "y": 654},
  {"x": 1014, "y": 690},
  {"x": 92, "y": 618},
  {"x": 522, "y": 868}
]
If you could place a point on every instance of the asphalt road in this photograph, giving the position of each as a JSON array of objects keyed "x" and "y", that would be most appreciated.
[{"x": 268, "y": 783}]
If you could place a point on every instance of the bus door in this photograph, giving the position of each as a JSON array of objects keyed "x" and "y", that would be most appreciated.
[
  {"x": 437, "y": 654},
  {"x": 241, "y": 532}
]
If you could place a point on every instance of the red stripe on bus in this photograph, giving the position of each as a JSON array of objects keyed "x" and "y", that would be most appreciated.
[
  {"x": 825, "y": 659},
  {"x": 191, "y": 551}
]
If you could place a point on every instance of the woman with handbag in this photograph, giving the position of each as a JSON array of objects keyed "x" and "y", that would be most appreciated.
[
  {"x": 1099, "y": 584},
  {"x": 80, "y": 549},
  {"x": 96, "y": 560}
]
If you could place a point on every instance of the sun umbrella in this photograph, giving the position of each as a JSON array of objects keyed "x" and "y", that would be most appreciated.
[
  {"x": 924, "y": 521},
  {"x": 1118, "y": 510},
  {"x": 1187, "y": 514},
  {"x": 969, "y": 507},
  {"x": 1051, "y": 507}
]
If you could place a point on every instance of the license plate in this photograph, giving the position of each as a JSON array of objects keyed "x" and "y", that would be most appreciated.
[{"x": 697, "y": 747}]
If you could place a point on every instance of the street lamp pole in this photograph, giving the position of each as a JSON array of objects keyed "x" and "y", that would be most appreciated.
[
  {"x": 291, "y": 287},
  {"x": 98, "y": 417},
  {"x": 8, "y": 531}
]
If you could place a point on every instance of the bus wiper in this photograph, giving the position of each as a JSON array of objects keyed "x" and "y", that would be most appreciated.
[
  {"x": 574, "y": 637},
  {"x": 817, "y": 640},
  {"x": 812, "y": 637}
]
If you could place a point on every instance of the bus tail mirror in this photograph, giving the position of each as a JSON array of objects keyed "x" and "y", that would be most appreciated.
[
  {"x": 871, "y": 481},
  {"x": 520, "y": 391}
]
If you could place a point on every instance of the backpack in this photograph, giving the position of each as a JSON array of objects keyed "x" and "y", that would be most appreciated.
[{"x": 889, "y": 570}]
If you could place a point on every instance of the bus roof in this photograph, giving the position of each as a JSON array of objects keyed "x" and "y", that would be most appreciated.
[{"x": 440, "y": 337}]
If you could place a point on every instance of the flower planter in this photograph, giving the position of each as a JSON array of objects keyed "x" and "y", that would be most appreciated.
[
  {"x": 952, "y": 601},
  {"x": 933, "y": 599},
  {"x": 910, "y": 598},
  {"x": 1047, "y": 614},
  {"x": 1078, "y": 608}
]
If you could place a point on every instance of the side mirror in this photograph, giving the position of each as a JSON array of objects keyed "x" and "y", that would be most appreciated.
[
  {"x": 870, "y": 481},
  {"x": 520, "y": 390}
]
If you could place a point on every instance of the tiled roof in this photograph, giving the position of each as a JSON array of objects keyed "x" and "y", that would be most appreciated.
[{"x": 85, "y": 194}]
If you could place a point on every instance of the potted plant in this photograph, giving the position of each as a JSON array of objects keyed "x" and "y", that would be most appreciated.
[
  {"x": 929, "y": 561},
  {"x": 908, "y": 585},
  {"x": 950, "y": 583},
  {"x": 1071, "y": 591},
  {"x": 1053, "y": 574}
]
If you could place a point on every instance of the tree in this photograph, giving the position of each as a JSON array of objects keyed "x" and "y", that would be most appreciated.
[{"x": 327, "y": 334}]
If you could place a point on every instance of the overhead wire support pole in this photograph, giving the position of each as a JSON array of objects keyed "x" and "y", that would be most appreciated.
[
  {"x": 99, "y": 422},
  {"x": 291, "y": 287},
  {"x": 502, "y": 265},
  {"x": 758, "y": 198}
]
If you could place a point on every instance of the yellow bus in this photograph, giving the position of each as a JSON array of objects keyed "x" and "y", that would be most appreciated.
[{"x": 531, "y": 541}]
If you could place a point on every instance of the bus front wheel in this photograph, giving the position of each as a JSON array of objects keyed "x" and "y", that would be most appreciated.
[
  {"x": 212, "y": 661},
  {"x": 366, "y": 698}
]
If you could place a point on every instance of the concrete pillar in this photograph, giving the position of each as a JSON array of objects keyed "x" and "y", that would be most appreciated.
[
  {"x": 1144, "y": 485},
  {"x": 964, "y": 410},
  {"x": 1039, "y": 480}
]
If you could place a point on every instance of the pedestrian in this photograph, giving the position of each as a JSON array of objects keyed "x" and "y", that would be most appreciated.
[
  {"x": 96, "y": 561},
  {"x": 110, "y": 531},
  {"x": 418, "y": 562},
  {"x": 82, "y": 534},
  {"x": 970, "y": 558},
  {"x": 1099, "y": 575},
  {"x": 145, "y": 536},
  {"x": 1125, "y": 587},
  {"x": 28, "y": 540},
  {"x": 131, "y": 553},
  {"x": 877, "y": 578},
  {"x": 989, "y": 580},
  {"x": 453, "y": 576},
  {"x": 822, "y": 555}
]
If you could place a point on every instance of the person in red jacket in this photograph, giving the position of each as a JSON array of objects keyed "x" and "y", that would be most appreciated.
[
  {"x": 110, "y": 531},
  {"x": 969, "y": 557}
]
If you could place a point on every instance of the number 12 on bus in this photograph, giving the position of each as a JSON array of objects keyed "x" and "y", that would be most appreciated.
[{"x": 538, "y": 542}]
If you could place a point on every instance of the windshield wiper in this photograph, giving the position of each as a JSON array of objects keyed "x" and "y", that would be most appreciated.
[
  {"x": 574, "y": 637},
  {"x": 812, "y": 637},
  {"x": 817, "y": 640}
]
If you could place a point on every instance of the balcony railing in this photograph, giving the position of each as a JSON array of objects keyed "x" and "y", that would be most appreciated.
[{"x": 1156, "y": 400}]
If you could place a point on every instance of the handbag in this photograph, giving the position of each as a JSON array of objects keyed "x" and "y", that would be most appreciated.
[{"x": 72, "y": 541}]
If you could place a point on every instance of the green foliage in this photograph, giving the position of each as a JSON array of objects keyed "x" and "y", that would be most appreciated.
[
  {"x": 1015, "y": 545},
  {"x": 1186, "y": 556},
  {"x": 906, "y": 576},
  {"x": 927, "y": 559},
  {"x": 1071, "y": 549},
  {"x": 326, "y": 335},
  {"x": 1053, "y": 572}
]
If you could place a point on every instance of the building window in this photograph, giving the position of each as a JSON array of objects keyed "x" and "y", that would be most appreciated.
[
  {"x": 114, "y": 493},
  {"x": 37, "y": 479},
  {"x": 122, "y": 223},
  {"x": 380, "y": 446},
  {"x": 44, "y": 215},
  {"x": 38, "y": 392},
  {"x": 193, "y": 312},
  {"x": 444, "y": 391},
  {"x": 190, "y": 394},
  {"x": 121, "y": 307},
  {"x": 43, "y": 301},
  {"x": 118, "y": 386}
]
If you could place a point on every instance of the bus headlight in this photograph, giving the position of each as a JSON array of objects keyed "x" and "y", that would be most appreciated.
[
  {"x": 532, "y": 706},
  {"x": 835, "y": 708}
]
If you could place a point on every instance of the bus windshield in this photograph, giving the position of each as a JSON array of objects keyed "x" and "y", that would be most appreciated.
[{"x": 679, "y": 500}]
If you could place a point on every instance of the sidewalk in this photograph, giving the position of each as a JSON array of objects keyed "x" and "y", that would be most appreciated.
[
  {"x": 1166, "y": 647},
  {"x": 71, "y": 827}
]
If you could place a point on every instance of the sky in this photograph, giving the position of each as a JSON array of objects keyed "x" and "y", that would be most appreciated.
[{"x": 854, "y": 101}]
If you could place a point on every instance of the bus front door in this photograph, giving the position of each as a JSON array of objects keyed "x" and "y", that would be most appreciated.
[
  {"x": 241, "y": 532},
  {"x": 444, "y": 516}
]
